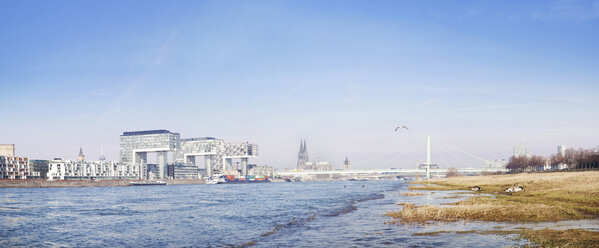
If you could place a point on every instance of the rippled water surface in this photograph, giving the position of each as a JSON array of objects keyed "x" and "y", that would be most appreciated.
[{"x": 306, "y": 214}]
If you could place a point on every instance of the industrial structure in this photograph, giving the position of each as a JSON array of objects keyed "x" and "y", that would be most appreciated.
[{"x": 218, "y": 154}]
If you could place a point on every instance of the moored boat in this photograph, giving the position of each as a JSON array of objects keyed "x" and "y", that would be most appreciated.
[{"x": 147, "y": 183}]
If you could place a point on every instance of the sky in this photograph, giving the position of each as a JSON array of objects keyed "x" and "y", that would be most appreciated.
[{"x": 476, "y": 76}]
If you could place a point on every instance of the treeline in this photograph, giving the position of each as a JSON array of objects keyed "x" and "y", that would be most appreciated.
[{"x": 572, "y": 159}]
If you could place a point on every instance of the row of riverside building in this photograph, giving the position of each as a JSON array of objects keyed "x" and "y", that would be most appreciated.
[{"x": 13, "y": 167}]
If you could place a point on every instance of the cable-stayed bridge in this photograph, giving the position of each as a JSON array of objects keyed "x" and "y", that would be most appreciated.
[{"x": 425, "y": 169}]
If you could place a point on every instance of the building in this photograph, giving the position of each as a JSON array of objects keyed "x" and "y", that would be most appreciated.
[
  {"x": 40, "y": 166},
  {"x": 7, "y": 150},
  {"x": 188, "y": 171},
  {"x": 302, "y": 157},
  {"x": 561, "y": 150},
  {"x": 521, "y": 150},
  {"x": 318, "y": 166},
  {"x": 218, "y": 154},
  {"x": 90, "y": 170},
  {"x": 497, "y": 164},
  {"x": 262, "y": 171},
  {"x": 81, "y": 157},
  {"x": 346, "y": 164},
  {"x": 16, "y": 168},
  {"x": 303, "y": 160}
]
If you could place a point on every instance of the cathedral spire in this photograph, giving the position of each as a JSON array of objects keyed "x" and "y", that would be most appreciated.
[
  {"x": 302, "y": 156},
  {"x": 81, "y": 157}
]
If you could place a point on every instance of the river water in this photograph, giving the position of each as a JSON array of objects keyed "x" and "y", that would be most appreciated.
[{"x": 302, "y": 214}]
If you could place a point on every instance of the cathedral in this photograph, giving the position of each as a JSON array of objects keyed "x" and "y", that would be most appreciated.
[
  {"x": 303, "y": 161},
  {"x": 302, "y": 157}
]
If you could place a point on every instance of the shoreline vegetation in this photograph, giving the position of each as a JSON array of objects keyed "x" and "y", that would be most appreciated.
[{"x": 547, "y": 197}]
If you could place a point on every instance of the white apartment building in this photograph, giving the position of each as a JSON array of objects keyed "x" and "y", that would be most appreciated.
[
  {"x": 16, "y": 168},
  {"x": 89, "y": 170}
]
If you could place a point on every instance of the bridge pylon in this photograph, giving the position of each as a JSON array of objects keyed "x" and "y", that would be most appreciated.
[{"x": 428, "y": 165}]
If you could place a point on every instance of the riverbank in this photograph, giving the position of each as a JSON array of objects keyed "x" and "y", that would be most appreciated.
[
  {"x": 546, "y": 197},
  {"x": 38, "y": 183}
]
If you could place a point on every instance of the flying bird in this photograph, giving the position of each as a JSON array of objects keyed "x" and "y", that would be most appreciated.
[{"x": 401, "y": 127}]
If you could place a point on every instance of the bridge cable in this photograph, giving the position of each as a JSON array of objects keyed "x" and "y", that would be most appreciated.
[{"x": 467, "y": 153}]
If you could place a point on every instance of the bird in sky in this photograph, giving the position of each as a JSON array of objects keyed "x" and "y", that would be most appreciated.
[{"x": 397, "y": 128}]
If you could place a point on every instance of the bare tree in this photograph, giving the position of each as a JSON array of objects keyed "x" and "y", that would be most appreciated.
[{"x": 452, "y": 172}]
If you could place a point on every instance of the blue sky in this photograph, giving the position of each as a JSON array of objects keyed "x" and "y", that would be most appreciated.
[{"x": 479, "y": 76}]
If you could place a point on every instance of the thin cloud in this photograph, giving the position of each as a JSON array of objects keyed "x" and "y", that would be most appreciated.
[
  {"x": 300, "y": 87},
  {"x": 430, "y": 101},
  {"x": 490, "y": 107},
  {"x": 570, "y": 10}
]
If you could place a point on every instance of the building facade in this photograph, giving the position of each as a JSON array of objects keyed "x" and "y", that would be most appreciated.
[
  {"x": 561, "y": 150},
  {"x": 40, "y": 166},
  {"x": 218, "y": 154},
  {"x": 7, "y": 150},
  {"x": 90, "y": 170},
  {"x": 16, "y": 168},
  {"x": 521, "y": 150},
  {"x": 262, "y": 171},
  {"x": 318, "y": 166}
]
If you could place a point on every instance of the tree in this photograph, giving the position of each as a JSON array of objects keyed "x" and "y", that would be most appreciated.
[{"x": 452, "y": 172}]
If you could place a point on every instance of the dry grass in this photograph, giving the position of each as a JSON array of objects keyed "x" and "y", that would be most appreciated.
[
  {"x": 479, "y": 208},
  {"x": 548, "y": 197},
  {"x": 562, "y": 238},
  {"x": 430, "y": 187},
  {"x": 412, "y": 194},
  {"x": 544, "y": 237}
]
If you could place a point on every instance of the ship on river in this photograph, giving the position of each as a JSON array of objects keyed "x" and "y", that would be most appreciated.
[{"x": 222, "y": 179}]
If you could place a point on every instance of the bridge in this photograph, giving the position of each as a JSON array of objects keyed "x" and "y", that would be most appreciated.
[
  {"x": 406, "y": 172},
  {"x": 424, "y": 170}
]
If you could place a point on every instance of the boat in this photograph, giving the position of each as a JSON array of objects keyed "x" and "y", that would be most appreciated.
[
  {"x": 223, "y": 179},
  {"x": 147, "y": 183}
]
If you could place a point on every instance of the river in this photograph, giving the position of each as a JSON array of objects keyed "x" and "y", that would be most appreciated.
[{"x": 299, "y": 214}]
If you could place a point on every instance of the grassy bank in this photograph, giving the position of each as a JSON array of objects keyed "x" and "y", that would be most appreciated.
[
  {"x": 544, "y": 237},
  {"x": 547, "y": 197}
]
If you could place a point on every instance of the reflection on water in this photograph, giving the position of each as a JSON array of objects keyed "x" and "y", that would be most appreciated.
[{"x": 263, "y": 215}]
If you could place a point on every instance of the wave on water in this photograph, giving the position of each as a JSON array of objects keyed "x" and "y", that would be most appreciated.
[
  {"x": 349, "y": 207},
  {"x": 292, "y": 223}
]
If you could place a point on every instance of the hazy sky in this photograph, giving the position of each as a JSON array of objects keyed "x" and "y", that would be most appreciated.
[{"x": 478, "y": 76}]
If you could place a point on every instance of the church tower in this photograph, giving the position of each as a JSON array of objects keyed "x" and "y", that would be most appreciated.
[
  {"x": 81, "y": 157},
  {"x": 346, "y": 165},
  {"x": 302, "y": 156}
]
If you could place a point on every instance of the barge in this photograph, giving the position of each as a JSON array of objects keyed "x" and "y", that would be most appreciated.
[{"x": 223, "y": 179}]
